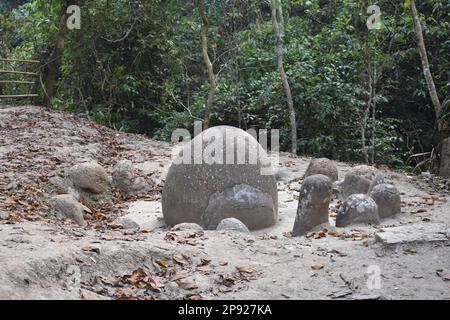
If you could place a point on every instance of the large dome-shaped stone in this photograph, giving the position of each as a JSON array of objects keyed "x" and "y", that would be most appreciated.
[{"x": 203, "y": 191}]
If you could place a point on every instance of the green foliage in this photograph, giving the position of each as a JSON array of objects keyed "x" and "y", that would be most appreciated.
[{"x": 136, "y": 66}]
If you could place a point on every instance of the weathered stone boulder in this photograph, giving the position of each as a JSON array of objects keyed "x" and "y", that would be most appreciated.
[
  {"x": 313, "y": 203},
  {"x": 67, "y": 207},
  {"x": 230, "y": 180},
  {"x": 361, "y": 179},
  {"x": 283, "y": 174},
  {"x": 124, "y": 178},
  {"x": 122, "y": 175},
  {"x": 323, "y": 166},
  {"x": 388, "y": 199},
  {"x": 232, "y": 224},
  {"x": 89, "y": 177},
  {"x": 358, "y": 208}
]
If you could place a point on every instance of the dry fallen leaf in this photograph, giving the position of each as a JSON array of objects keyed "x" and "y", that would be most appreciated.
[
  {"x": 443, "y": 275},
  {"x": 336, "y": 233},
  {"x": 317, "y": 266},
  {"x": 163, "y": 263},
  {"x": 180, "y": 275},
  {"x": 180, "y": 259},
  {"x": 186, "y": 285},
  {"x": 147, "y": 230},
  {"x": 155, "y": 283},
  {"x": 194, "y": 297},
  {"x": 89, "y": 248},
  {"x": 136, "y": 276},
  {"x": 204, "y": 268},
  {"x": 409, "y": 250},
  {"x": 246, "y": 269}
]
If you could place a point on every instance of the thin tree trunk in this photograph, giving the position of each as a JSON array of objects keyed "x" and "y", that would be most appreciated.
[
  {"x": 208, "y": 64},
  {"x": 55, "y": 58},
  {"x": 425, "y": 65},
  {"x": 366, "y": 118},
  {"x": 374, "y": 105},
  {"x": 441, "y": 127},
  {"x": 277, "y": 21}
]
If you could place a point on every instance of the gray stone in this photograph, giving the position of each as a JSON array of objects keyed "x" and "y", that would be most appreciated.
[
  {"x": 323, "y": 166},
  {"x": 90, "y": 177},
  {"x": 124, "y": 178},
  {"x": 358, "y": 208},
  {"x": 147, "y": 214},
  {"x": 122, "y": 175},
  {"x": 361, "y": 179},
  {"x": 232, "y": 224},
  {"x": 388, "y": 199},
  {"x": 313, "y": 203},
  {"x": 187, "y": 226},
  {"x": 242, "y": 202},
  {"x": 283, "y": 174},
  {"x": 126, "y": 223},
  {"x": 416, "y": 232},
  {"x": 67, "y": 207},
  {"x": 4, "y": 215},
  {"x": 193, "y": 188}
]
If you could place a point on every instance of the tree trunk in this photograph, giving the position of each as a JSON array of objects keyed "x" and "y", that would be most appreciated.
[
  {"x": 425, "y": 65},
  {"x": 277, "y": 21},
  {"x": 441, "y": 128},
  {"x": 55, "y": 58},
  {"x": 208, "y": 64}
]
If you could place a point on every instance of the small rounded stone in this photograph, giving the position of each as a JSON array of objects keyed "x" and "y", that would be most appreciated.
[
  {"x": 232, "y": 224},
  {"x": 387, "y": 198},
  {"x": 323, "y": 166},
  {"x": 358, "y": 208}
]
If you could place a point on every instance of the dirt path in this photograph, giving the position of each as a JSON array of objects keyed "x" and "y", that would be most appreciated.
[{"x": 44, "y": 258}]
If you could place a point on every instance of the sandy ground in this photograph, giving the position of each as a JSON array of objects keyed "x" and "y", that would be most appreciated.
[{"x": 41, "y": 257}]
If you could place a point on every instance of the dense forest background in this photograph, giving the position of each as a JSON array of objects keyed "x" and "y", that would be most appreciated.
[{"x": 359, "y": 94}]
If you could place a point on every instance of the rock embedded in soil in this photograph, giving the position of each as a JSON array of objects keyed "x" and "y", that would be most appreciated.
[
  {"x": 388, "y": 200},
  {"x": 358, "y": 208},
  {"x": 127, "y": 223},
  {"x": 205, "y": 192},
  {"x": 283, "y": 174},
  {"x": 124, "y": 179},
  {"x": 361, "y": 179},
  {"x": 187, "y": 226},
  {"x": 416, "y": 232},
  {"x": 66, "y": 206},
  {"x": 323, "y": 166},
  {"x": 313, "y": 203},
  {"x": 122, "y": 176},
  {"x": 232, "y": 224},
  {"x": 90, "y": 177},
  {"x": 4, "y": 215}
]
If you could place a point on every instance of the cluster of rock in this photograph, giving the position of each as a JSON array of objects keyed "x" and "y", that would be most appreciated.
[
  {"x": 236, "y": 196},
  {"x": 89, "y": 181},
  {"x": 366, "y": 198}
]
